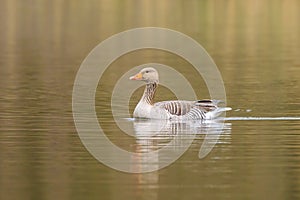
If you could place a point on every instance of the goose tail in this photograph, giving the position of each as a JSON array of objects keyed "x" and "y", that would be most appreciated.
[{"x": 217, "y": 112}]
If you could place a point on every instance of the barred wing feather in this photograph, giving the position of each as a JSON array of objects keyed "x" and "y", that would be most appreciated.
[
  {"x": 181, "y": 107},
  {"x": 176, "y": 107}
]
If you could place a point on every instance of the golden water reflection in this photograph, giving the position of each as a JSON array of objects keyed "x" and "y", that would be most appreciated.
[{"x": 255, "y": 44}]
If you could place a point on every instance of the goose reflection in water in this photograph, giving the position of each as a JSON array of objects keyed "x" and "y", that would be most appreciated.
[{"x": 161, "y": 142}]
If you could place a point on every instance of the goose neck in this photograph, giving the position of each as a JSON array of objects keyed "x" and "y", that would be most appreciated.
[{"x": 149, "y": 92}]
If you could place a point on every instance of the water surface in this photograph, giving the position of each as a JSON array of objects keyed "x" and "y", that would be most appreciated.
[{"x": 256, "y": 46}]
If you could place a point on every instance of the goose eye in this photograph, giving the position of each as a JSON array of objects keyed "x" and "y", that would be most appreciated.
[{"x": 147, "y": 71}]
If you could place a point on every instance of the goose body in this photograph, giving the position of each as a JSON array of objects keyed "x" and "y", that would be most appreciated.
[{"x": 173, "y": 110}]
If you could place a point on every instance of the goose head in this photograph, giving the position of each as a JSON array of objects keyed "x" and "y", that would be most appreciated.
[{"x": 148, "y": 75}]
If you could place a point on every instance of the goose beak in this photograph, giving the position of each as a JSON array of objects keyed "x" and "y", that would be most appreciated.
[{"x": 138, "y": 76}]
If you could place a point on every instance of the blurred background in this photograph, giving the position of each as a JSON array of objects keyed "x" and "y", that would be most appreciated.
[{"x": 255, "y": 44}]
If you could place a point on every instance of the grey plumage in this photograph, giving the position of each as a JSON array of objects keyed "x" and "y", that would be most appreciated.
[{"x": 177, "y": 109}]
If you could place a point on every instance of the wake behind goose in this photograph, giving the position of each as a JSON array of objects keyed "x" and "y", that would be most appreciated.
[{"x": 261, "y": 118}]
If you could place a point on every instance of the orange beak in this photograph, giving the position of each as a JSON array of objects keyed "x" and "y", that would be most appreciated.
[{"x": 138, "y": 76}]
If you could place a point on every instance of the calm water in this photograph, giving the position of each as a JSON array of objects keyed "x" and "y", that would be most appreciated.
[{"x": 256, "y": 46}]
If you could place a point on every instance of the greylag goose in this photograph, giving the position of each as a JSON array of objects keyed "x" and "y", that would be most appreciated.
[{"x": 173, "y": 110}]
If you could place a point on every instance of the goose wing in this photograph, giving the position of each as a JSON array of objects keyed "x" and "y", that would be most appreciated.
[
  {"x": 176, "y": 107},
  {"x": 180, "y": 107}
]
